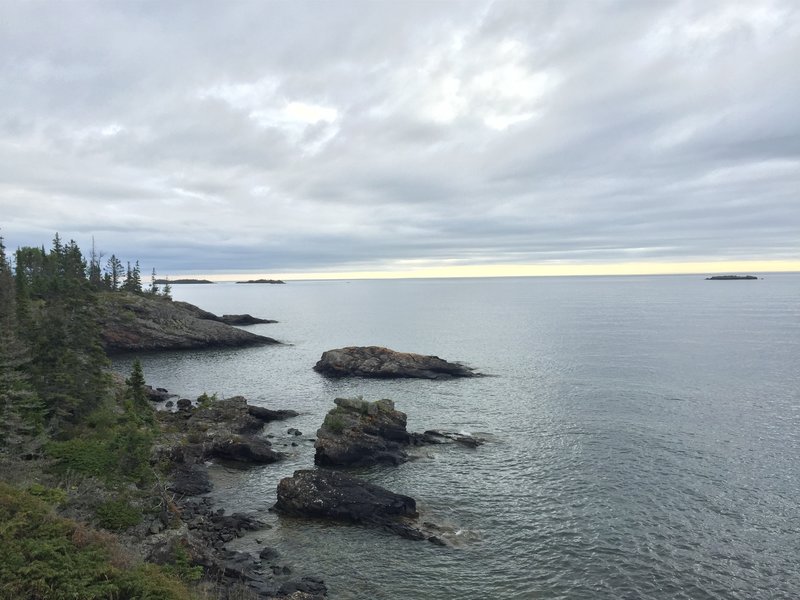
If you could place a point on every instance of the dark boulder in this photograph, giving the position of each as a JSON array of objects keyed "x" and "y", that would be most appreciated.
[
  {"x": 359, "y": 433},
  {"x": 374, "y": 361},
  {"x": 157, "y": 394},
  {"x": 244, "y": 449},
  {"x": 190, "y": 480},
  {"x": 333, "y": 495},
  {"x": 308, "y": 588},
  {"x": 267, "y": 415}
]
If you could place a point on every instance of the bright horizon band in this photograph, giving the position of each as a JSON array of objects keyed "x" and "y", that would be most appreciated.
[{"x": 412, "y": 270}]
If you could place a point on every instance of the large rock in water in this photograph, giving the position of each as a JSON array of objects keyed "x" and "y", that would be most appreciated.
[
  {"x": 375, "y": 361},
  {"x": 137, "y": 323},
  {"x": 359, "y": 433},
  {"x": 333, "y": 495}
]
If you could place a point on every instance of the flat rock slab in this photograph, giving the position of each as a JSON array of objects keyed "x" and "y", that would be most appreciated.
[{"x": 378, "y": 362}]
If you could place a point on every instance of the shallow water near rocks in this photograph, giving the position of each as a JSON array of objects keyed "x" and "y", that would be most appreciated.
[{"x": 643, "y": 432}]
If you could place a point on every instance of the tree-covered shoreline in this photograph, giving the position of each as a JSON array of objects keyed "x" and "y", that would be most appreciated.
[{"x": 74, "y": 439}]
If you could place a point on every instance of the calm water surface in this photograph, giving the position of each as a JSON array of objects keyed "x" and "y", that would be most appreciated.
[{"x": 643, "y": 432}]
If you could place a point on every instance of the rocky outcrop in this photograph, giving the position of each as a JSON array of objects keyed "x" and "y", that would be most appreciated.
[
  {"x": 360, "y": 433},
  {"x": 137, "y": 323},
  {"x": 223, "y": 429},
  {"x": 332, "y": 495},
  {"x": 375, "y": 361}
]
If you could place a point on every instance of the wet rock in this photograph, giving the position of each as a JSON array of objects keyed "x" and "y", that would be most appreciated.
[
  {"x": 293, "y": 431},
  {"x": 157, "y": 394},
  {"x": 436, "y": 436},
  {"x": 309, "y": 587},
  {"x": 269, "y": 554},
  {"x": 334, "y": 495},
  {"x": 190, "y": 480},
  {"x": 184, "y": 404},
  {"x": 244, "y": 449},
  {"x": 267, "y": 415},
  {"x": 358, "y": 433},
  {"x": 375, "y": 361}
]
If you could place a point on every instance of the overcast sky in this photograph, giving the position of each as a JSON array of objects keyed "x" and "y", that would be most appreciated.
[{"x": 279, "y": 137}]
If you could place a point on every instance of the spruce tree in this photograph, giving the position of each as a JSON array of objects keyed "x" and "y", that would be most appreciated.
[
  {"x": 114, "y": 272},
  {"x": 20, "y": 409}
]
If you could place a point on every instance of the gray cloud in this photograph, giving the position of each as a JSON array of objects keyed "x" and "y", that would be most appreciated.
[{"x": 200, "y": 136}]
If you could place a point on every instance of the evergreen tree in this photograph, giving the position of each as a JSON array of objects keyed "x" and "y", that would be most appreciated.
[
  {"x": 95, "y": 272},
  {"x": 137, "y": 394},
  {"x": 153, "y": 285},
  {"x": 114, "y": 272},
  {"x": 167, "y": 293},
  {"x": 133, "y": 279},
  {"x": 20, "y": 410},
  {"x": 67, "y": 361}
]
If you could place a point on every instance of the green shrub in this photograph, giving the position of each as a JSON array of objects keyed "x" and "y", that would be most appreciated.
[
  {"x": 335, "y": 422},
  {"x": 181, "y": 566},
  {"x": 118, "y": 515},
  {"x": 88, "y": 456},
  {"x": 43, "y": 556}
]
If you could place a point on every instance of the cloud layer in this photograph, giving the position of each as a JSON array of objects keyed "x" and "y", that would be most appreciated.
[{"x": 310, "y": 136}]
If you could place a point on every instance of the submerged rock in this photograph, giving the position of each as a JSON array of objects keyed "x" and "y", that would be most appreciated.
[
  {"x": 358, "y": 433},
  {"x": 437, "y": 436},
  {"x": 375, "y": 361}
]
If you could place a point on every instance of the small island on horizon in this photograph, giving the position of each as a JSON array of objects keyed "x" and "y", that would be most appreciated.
[
  {"x": 262, "y": 281},
  {"x": 181, "y": 281},
  {"x": 730, "y": 277}
]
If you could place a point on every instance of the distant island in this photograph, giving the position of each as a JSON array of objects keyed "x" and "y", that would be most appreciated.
[
  {"x": 262, "y": 281},
  {"x": 174, "y": 281},
  {"x": 730, "y": 277}
]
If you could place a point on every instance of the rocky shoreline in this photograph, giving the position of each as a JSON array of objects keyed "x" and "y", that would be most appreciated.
[
  {"x": 354, "y": 433},
  {"x": 136, "y": 323},
  {"x": 228, "y": 430}
]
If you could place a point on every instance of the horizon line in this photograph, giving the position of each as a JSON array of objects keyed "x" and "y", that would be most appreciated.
[{"x": 498, "y": 271}]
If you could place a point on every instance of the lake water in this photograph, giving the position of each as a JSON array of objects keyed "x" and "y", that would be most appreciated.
[{"x": 643, "y": 432}]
